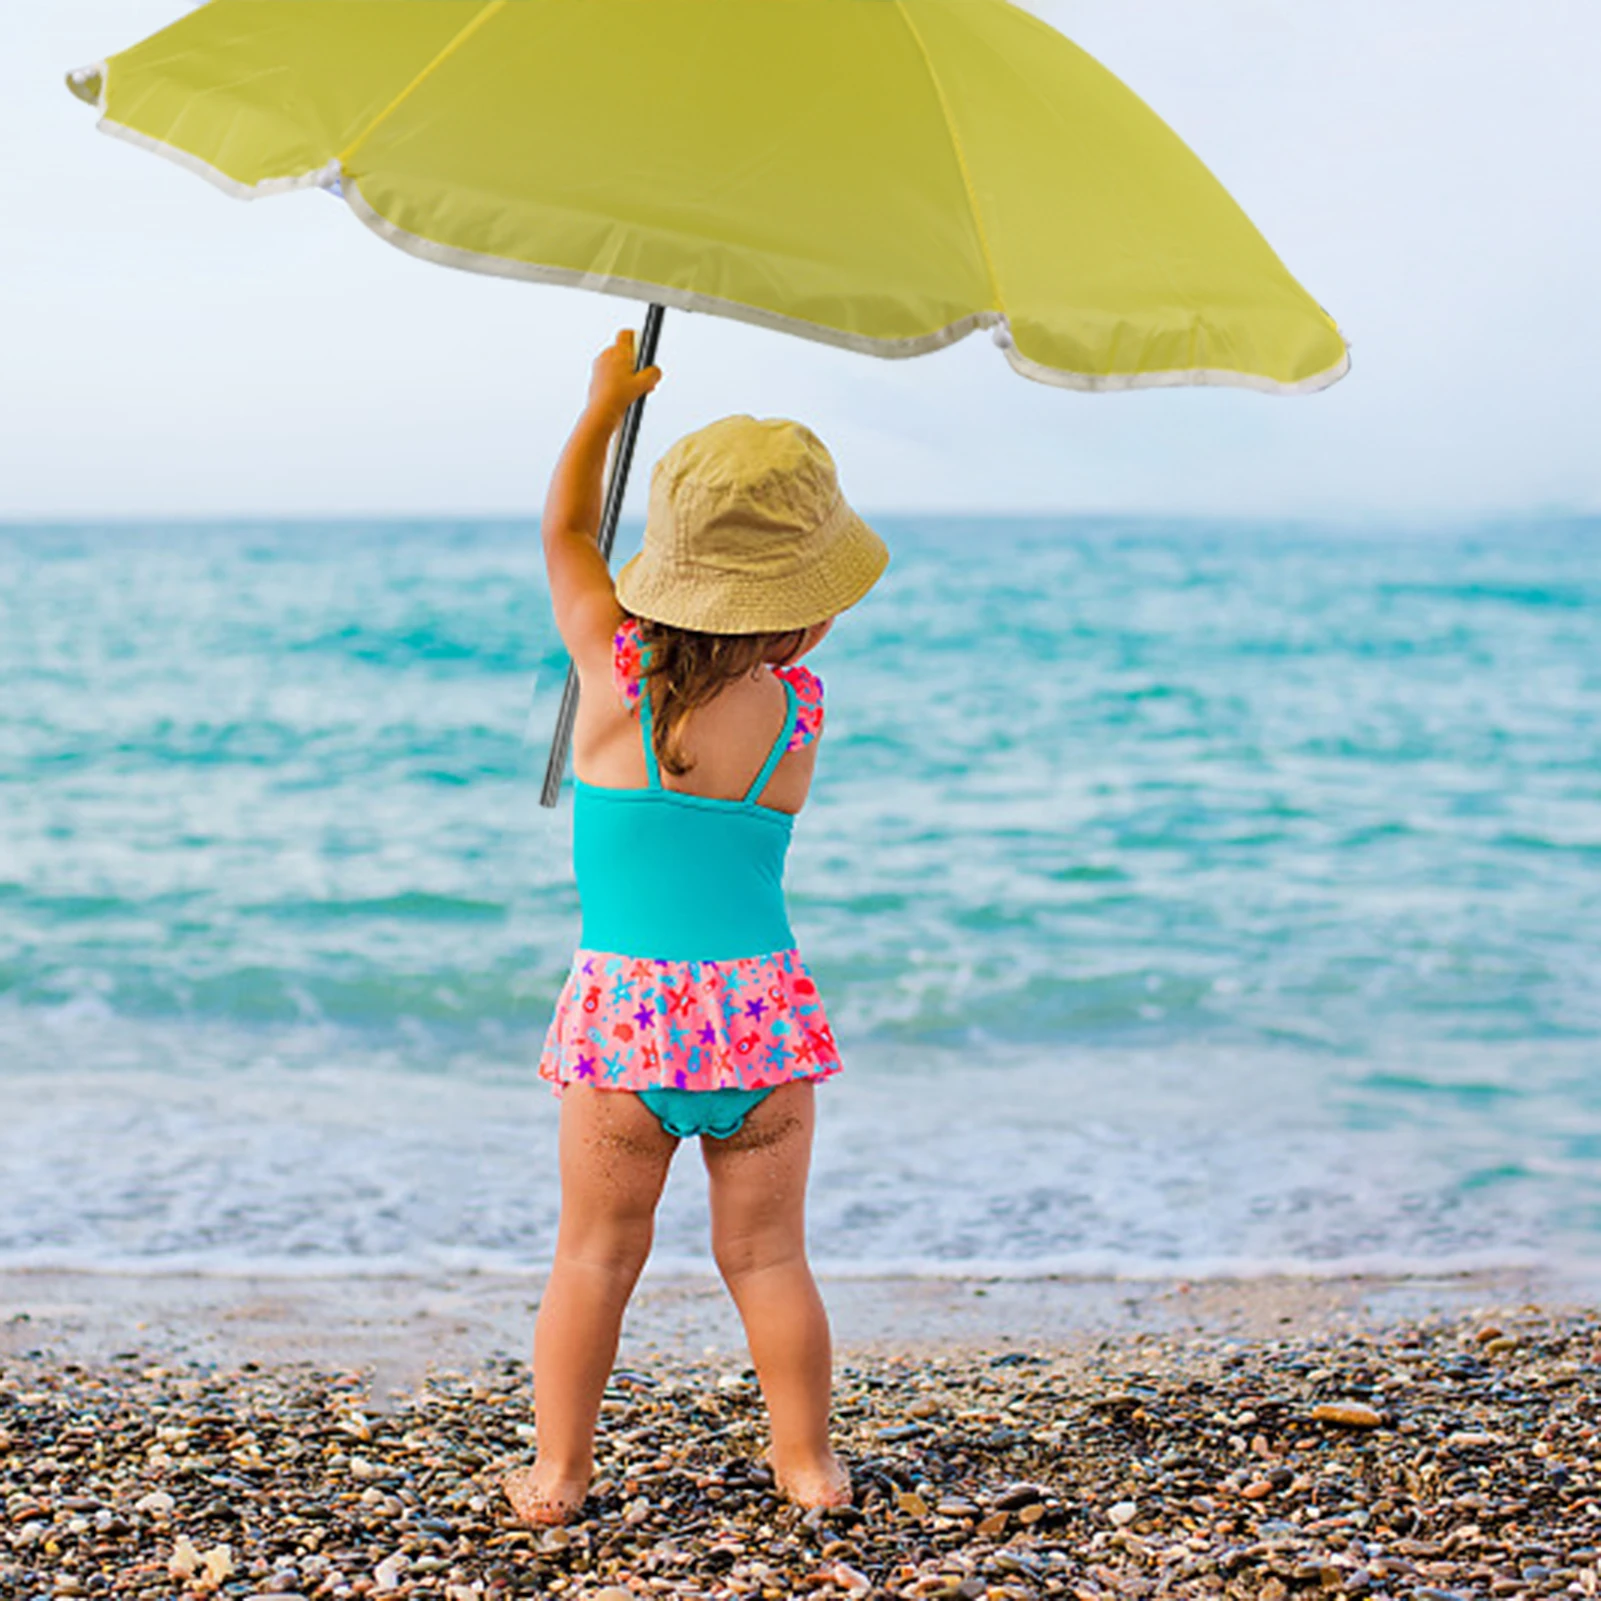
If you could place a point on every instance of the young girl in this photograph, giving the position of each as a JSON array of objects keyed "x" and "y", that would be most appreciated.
[{"x": 688, "y": 1010}]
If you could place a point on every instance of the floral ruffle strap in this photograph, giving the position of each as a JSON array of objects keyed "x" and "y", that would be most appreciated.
[{"x": 628, "y": 676}]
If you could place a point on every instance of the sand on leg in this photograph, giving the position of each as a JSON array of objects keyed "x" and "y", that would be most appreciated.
[
  {"x": 758, "y": 1207},
  {"x": 614, "y": 1161}
]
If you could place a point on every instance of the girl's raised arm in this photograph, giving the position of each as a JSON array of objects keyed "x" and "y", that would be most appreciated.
[{"x": 581, "y": 590}]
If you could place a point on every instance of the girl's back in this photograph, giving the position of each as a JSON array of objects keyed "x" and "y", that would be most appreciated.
[{"x": 726, "y": 742}]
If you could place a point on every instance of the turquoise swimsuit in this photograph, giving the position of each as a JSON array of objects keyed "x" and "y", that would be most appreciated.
[{"x": 687, "y": 987}]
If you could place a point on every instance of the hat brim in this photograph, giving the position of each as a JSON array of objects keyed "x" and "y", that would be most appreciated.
[{"x": 718, "y": 602}]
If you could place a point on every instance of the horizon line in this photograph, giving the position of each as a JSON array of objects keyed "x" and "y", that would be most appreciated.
[{"x": 1331, "y": 517}]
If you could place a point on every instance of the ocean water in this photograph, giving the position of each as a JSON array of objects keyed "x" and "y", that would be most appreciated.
[{"x": 1188, "y": 898}]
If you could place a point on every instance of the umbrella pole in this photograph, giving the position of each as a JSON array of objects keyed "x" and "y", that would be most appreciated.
[{"x": 616, "y": 485}]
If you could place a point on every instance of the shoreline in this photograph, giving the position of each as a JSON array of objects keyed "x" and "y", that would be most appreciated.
[{"x": 400, "y": 1327}]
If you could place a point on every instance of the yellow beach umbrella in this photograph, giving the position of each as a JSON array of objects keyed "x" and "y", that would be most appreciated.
[{"x": 885, "y": 175}]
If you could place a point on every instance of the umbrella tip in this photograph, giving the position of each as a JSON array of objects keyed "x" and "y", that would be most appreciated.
[{"x": 86, "y": 82}]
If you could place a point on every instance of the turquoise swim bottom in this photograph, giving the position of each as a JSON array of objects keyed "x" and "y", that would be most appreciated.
[{"x": 687, "y": 1113}]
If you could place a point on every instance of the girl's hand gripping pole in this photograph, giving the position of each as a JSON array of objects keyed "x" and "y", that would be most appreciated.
[{"x": 616, "y": 486}]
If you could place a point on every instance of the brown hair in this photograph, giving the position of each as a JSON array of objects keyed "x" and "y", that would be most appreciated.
[{"x": 687, "y": 670}]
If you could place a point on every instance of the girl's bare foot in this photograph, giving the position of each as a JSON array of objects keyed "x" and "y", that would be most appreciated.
[
  {"x": 822, "y": 1482},
  {"x": 541, "y": 1497}
]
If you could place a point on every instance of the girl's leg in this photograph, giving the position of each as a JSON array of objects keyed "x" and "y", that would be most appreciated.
[
  {"x": 758, "y": 1200},
  {"x": 614, "y": 1161}
]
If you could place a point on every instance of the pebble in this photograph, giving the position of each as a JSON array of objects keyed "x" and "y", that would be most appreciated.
[
  {"x": 1348, "y": 1414},
  {"x": 1122, "y": 1513},
  {"x": 841, "y": 1574},
  {"x": 389, "y": 1573},
  {"x": 217, "y": 1565},
  {"x": 1017, "y": 1496},
  {"x": 184, "y": 1563}
]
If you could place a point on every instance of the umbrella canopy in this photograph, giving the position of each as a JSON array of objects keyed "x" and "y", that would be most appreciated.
[{"x": 885, "y": 175}]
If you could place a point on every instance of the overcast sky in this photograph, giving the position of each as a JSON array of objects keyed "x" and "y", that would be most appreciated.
[{"x": 1429, "y": 169}]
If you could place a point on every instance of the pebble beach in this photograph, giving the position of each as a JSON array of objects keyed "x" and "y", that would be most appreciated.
[{"x": 1448, "y": 1455}]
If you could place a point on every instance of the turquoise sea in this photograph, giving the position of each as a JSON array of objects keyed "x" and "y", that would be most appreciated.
[{"x": 1188, "y": 898}]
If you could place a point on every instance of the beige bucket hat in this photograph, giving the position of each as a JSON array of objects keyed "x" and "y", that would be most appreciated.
[{"x": 748, "y": 533}]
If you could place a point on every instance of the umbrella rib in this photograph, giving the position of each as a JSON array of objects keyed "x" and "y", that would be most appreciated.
[
  {"x": 960, "y": 154},
  {"x": 405, "y": 94}
]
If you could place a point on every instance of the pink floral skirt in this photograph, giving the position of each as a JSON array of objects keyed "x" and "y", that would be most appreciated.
[{"x": 626, "y": 1023}]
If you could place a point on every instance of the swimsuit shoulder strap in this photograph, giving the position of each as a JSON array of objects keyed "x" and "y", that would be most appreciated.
[
  {"x": 652, "y": 771},
  {"x": 781, "y": 744}
]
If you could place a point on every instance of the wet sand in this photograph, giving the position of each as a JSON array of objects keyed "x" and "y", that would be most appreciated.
[{"x": 399, "y": 1327}]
